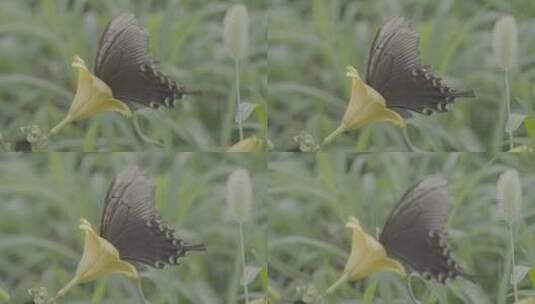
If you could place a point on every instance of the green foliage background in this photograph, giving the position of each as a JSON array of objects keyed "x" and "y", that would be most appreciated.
[
  {"x": 315, "y": 195},
  {"x": 39, "y": 38},
  {"x": 42, "y": 198},
  {"x": 312, "y": 41}
]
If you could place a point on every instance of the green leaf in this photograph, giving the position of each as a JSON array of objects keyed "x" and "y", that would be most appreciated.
[
  {"x": 514, "y": 121},
  {"x": 249, "y": 275},
  {"x": 529, "y": 124},
  {"x": 90, "y": 136},
  {"x": 262, "y": 115},
  {"x": 369, "y": 294},
  {"x": 532, "y": 276},
  {"x": 244, "y": 111},
  {"x": 99, "y": 292},
  {"x": 519, "y": 272},
  {"x": 326, "y": 170}
]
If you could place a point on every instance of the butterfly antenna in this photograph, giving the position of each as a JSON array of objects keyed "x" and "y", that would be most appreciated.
[
  {"x": 465, "y": 94},
  {"x": 191, "y": 92},
  {"x": 194, "y": 247}
]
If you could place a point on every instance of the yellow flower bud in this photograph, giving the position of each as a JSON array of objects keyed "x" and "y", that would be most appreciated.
[
  {"x": 100, "y": 259},
  {"x": 366, "y": 106},
  {"x": 92, "y": 97},
  {"x": 367, "y": 256}
]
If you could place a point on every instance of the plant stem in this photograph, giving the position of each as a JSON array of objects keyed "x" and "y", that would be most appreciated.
[
  {"x": 68, "y": 287},
  {"x": 408, "y": 142},
  {"x": 242, "y": 249},
  {"x": 238, "y": 97},
  {"x": 336, "y": 284},
  {"x": 142, "y": 135},
  {"x": 411, "y": 292},
  {"x": 508, "y": 105},
  {"x": 511, "y": 237},
  {"x": 341, "y": 129},
  {"x": 65, "y": 121}
]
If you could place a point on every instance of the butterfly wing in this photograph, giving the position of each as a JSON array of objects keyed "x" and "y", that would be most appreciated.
[
  {"x": 131, "y": 223},
  {"x": 123, "y": 62},
  {"x": 414, "y": 231},
  {"x": 396, "y": 72}
]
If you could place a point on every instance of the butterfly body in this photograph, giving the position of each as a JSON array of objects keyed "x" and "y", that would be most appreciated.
[
  {"x": 131, "y": 223},
  {"x": 414, "y": 231},
  {"x": 123, "y": 62},
  {"x": 396, "y": 72}
]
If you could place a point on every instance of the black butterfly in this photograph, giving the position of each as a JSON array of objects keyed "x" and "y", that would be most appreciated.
[
  {"x": 131, "y": 223},
  {"x": 123, "y": 62},
  {"x": 396, "y": 72},
  {"x": 414, "y": 231}
]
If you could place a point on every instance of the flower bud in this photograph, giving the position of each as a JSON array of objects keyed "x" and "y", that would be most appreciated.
[
  {"x": 509, "y": 194},
  {"x": 505, "y": 42},
  {"x": 236, "y": 31},
  {"x": 239, "y": 195}
]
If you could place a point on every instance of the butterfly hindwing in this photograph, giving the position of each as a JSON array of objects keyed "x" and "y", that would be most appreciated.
[
  {"x": 396, "y": 72},
  {"x": 131, "y": 223},
  {"x": 123, "y": 62},
  {"x": 414, "y": 231}
]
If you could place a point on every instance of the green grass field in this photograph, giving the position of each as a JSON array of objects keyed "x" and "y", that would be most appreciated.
[
  {"x": 42, "y": 198},
  {"x": 312, "y": 41},
  {"x": 294, "y": 92},
  {"x": 39, "y": 38},
  {"x": 312, "y": 196}
]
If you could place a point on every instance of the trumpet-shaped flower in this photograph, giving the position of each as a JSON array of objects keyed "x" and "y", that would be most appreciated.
[
  {"x": 100, "y": 259},
  {"x": 367, "y": 256},
  {"x": 92, "y": 97},
  {"x": 365, "y": 106}
]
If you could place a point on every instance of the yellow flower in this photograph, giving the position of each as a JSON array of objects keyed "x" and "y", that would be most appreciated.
[
  {"x": 100, "y": 259},
  {"x": 92, "y": 97},
  {"x": 249, "y": 144},
  {"x": 366, "y": 106},
  {"x": 367, "y": 256}
]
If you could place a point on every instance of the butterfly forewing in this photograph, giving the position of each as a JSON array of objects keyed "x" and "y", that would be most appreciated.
[
  {"x": 396, "y": 72},
  {"x": 414, "y": 230},
  {"x": 131, "y": 223},
  {"x": 123, "y": 62}
]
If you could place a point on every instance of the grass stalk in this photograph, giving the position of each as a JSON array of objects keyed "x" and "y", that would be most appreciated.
[
  {"x": 242, "y": 250},
  {"x": 508, "y": 106},
  {"x": 512, "y": 244},
  {"x": 238, "y": 96}
]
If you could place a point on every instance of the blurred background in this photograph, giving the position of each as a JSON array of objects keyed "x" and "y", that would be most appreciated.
[
  {"x": 38, "y": 40},
  {"x": 312, "y": 41},
  {"x": 312, "y": 196},
  {"x": 42, "y": 198}
]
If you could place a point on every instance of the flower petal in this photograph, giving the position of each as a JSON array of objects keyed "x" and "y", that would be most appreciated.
[
  {"x": 92, "y": 97},
  {"x": 366, "y": 106},
  {"x": 367, "y": 256},
  {"x": 100, "y": 259}
]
